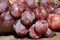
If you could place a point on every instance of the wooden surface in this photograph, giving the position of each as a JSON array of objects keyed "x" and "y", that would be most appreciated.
[{"x": 13, "y": 37}]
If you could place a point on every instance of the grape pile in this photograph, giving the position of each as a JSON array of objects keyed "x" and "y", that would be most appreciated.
[{"x": 35, "y": 18}]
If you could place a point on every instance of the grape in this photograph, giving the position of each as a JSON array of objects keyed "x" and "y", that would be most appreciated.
[
  {"x": 16, "y": 10},
  {"x": 3, "y": 5},
  {"x": 27, "y": 17},
  {"x": 6, "y": 21},
  {"x": 30, "y": 17},
  {"x": 32, "y": 4},
  {"x": 32, "y": 33},
  {"x": 52, "y": 7},
  {"x": 41, "y": 26},
  {"x": 20, "y": 28},
  {"x": 54, "y": 21},
  {"x": 57, "y": 11},
  {"x": 41, "y": 13},
  {"x": 45, "y": 3},
  {"x": 38, "y": 14},
  {"x": 20, "y": 1},
  {"x": 49, "y": 33}
]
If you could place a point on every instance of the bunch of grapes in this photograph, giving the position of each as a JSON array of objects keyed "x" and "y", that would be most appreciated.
[{"x": 35, "y": 18}]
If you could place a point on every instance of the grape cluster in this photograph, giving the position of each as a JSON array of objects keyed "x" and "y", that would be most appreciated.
[{"x": 32, "y": 17}]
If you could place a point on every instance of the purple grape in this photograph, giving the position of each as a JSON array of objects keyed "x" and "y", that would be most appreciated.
[
  {"x": 20, "y": 28},
  {"x": 27, "y": 17},
  {"x": 6, "y": 22},
  {"x": 49, "y": 33},
  {"x": 41, "y": 26},
  {"x": 3, "y": 5},
  {"x": 16, "y": 10}
]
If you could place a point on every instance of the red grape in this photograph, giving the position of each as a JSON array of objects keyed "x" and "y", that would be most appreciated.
[
  {"x": 52, "y": 7},
  {"x": 33, "y": 34},
  {"x": 20, "y": 28},
  {"x": 49, "y": 33},
  {"x": 27, "y": 17},
  {"x": 16, "y": 10},
  {"x": 45, "y": 2},
  {"x": 32, "y": 4},
  {"x": 41, "y": 13},
  {"x": 57, "y": 11},
  {"x": 3, "y": 5},
  {"x": 6, "y": 22},
  {"x": 54, "y": 21},
  {"x": 6, "y": 19},
  {"x": 33, "y": 17},
  {"x": 41, "y": 26}
]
